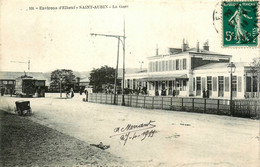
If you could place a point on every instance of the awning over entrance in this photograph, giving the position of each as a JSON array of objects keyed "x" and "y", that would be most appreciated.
[{"x": 163, "y": 77}]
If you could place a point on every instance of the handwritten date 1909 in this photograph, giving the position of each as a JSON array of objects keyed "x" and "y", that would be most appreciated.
[
  {"x": 134, "y": 131},
  {"x": 134, "y": 135}
]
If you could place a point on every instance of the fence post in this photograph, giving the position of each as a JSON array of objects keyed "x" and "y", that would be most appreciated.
[
  {"x": 144, "y": 101},
  {"x": 111, "y": 98},
  {"x": 192, "y": 104},
  {"x": 117, "y": 97},
  {"x": 182, "y": 104},
  {"x": 162, "y": 103},
  {"x": 153, "y": 103},
  {"x": 218, "y": 107},
  {"x": 96, "y": 97},
  {"x": 205, "y": 103},
  {"x": 106, "y": 98},
  {"x": 171, "y": 104},
  {"x": 130, "y": 100},
  {"x": 101, "y": 98},
  {"x": 136, "y": 100}
]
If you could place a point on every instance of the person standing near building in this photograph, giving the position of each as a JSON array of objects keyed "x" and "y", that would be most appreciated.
[
  {"x": 2, "y": 91},
  {"x": 11, "y": 92},
  {"x": 204, "y": 93},
  {"x": 174, "y": 93},
  {"x": 207, "y": 93},
  {"x": 67, "y": 92},
  {"x": 72, "y": 92}
]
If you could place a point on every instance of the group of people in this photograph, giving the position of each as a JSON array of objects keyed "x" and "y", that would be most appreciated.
[
  {"x": 164, "y": 92},
  {"x": 205, "y": 93},
  {"x": 70, "y": 93},
  {"x": 3, "y": 91}
]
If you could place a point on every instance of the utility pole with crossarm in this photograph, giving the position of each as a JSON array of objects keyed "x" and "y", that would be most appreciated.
[
  {"x": 24, "y": 63},
  {"x": 116, "y": 72}
]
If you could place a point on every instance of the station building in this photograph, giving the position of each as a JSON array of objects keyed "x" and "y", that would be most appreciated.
[{"x": 189, "y": 72}]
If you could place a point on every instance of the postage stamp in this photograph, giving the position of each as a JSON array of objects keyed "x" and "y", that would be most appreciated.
[{"x": 240, "y": 23}]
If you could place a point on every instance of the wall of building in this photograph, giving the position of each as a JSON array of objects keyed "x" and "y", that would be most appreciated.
[
  {"x": 169, "y": 63},
  {"x": 197, "y": 61},
  {"x": 220, "y": 77}
]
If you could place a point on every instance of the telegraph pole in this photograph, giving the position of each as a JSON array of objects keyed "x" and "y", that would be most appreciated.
[
  {"x": 29, "y": 64},
  {"x": 123, "y": 86},
  {"x": 116, "y": 72}
]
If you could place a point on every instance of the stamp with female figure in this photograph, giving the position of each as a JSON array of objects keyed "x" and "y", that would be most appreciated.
[{"x": 240, "y": 23}]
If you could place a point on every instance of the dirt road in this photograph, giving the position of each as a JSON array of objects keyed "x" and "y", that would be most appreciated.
[{"x": 172, "y": 138}]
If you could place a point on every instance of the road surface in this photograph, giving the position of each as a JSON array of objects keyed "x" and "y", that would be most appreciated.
[{"x": 151, "y": 137}]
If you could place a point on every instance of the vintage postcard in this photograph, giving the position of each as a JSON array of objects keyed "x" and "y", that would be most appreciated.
[{"x": 163, "y": 83}]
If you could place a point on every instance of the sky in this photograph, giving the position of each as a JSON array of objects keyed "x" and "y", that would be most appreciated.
[{"x": 60, "y": 39}]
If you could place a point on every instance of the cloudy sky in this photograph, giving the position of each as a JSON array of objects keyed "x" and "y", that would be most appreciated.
[{"x": 55, "y": 39}]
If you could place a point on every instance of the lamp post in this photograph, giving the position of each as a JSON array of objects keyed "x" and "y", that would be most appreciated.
[{"x": 231, "y": 66}]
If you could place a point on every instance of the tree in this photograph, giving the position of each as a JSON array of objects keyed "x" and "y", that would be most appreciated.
[
  {"x": 102, "y": 76},
  {"x": 63, "y": 76},
  {"x": 255, "y": 68}
]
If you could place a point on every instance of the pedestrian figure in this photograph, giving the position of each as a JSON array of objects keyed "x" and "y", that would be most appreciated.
[
  {"x": 11, "y": 92},
  {"x": 204, "y": 93},
  {"x": 67, "y": 93},
  {"x": 163, "y": 92},
  {"x": 72, "y": 93},
  {"x": 2, "y": 91},
  {"x": 156, "y": 92},
  {"x": 174, "y": 93},
  {"x": 80, "y": 91},
  {"x": 207, "y": 93}
]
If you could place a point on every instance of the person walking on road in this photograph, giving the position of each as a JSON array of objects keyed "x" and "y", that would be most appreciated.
[{"x": 71, "y": 92}]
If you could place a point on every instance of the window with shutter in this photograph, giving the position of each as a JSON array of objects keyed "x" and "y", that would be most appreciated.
[
  {"x": 177, "y": 64},
  {"x": 248, "y": 84},
  {"x": 239, "y": 84},
  {"x": 214, "y": 83},
  {"x": 226, "y": 84},
  {"x": 184, "y": 64},
  {"x": 170, "y": 65},
  {"x": 173, "y": 65},
  {"x": 160, "y": 66},
  {"x": 203, "y": 83}
]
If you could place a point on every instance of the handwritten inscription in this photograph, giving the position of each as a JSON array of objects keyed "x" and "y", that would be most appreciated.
[{"x": 132, "y": 132}]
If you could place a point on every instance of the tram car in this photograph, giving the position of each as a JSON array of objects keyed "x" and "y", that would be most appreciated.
[{"x": 27, "y": 86}]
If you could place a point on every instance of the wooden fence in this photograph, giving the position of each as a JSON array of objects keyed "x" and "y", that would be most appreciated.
[{"x": 240, "y": 108}]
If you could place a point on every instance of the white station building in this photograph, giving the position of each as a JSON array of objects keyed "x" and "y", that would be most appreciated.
[{"x": 189, "y": 72}]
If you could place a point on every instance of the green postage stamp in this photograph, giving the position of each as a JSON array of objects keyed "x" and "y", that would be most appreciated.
[{"x": 240, "y": 23}]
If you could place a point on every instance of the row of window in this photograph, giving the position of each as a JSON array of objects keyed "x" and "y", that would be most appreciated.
[
  {"x": 219, "y": 84},
  {"x": 168, "y": 65},
  {"x": 6, "y": 82}
]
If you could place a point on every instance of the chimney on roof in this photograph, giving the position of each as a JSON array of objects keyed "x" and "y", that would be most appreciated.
[
  {"x": 206, "y": 45},
  {"x": 198, "y": 46},
  {"x": 185, "y": 46}
]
